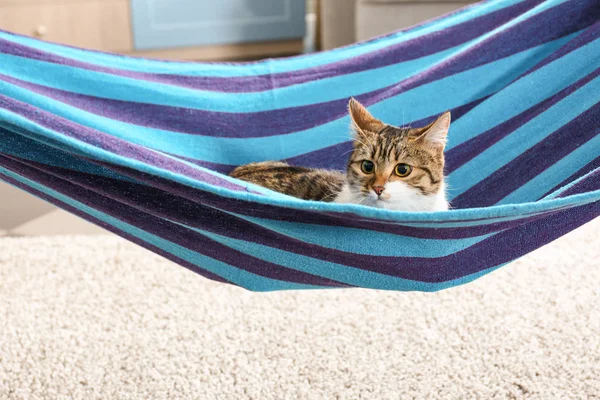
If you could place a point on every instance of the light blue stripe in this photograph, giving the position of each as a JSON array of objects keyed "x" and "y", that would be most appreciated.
[
  {"x": 466, "y": 224},
  {"x": 363, "y": 241},
  {"x": 268, "y": 66},
  {"x": 523, "y": 138},
  {"x": 569, "y": 186},
  {"x": 229, "y": 272},
  {"x": 424, "y": 100},
  {"x": 557, "y": 173},
  {"x": 115, "y": 87}
]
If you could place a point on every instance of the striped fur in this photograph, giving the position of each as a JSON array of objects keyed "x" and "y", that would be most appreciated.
[
  {"x": 143, "y": 147},
  {"x": 304, "y": 183}
]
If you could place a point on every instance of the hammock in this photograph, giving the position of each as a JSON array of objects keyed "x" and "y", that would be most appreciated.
[{"x": 142, "y": 147}]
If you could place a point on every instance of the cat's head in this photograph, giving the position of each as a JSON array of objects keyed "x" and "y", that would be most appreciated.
[{"x": 398, "y": 168}]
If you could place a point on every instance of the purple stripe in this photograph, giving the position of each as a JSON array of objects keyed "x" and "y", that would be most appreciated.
[
  {"x": 505, "y": 246},
  {"x": 95, "y": 197},
  {"x": 110, "y": 143},
  {"x": 332, "y": 157},
  {"x": 501, "y": 248},
  {"x": 220, "y": 168},
  {"x": 200, "y": 122},
  {"x": 175, "y": 116},
  {"x": 393, "y": 54},
  {"x": 294, "y": 119},
  {"x": 533, "y": 161},
  {"x": 554, "y": 23},
  {"x": 111, "y": 228},
  {"x": 588, "y": 184},
  {"x": 592, "y": 165},
  {"x": 457, "y": 112},
  {"x": 465, "y": 152},
  {"x": 587, "y": 37}
]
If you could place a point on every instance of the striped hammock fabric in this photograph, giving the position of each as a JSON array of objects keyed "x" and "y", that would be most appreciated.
[{"x": 142, "y": 147}]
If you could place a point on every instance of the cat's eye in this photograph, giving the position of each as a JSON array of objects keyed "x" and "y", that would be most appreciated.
[
  {"x": 367, "y": 167},
  {"x": 403, "y": 170}
]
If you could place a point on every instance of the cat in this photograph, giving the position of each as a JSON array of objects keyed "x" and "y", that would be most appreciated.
[{"x": 394, "y": 168}]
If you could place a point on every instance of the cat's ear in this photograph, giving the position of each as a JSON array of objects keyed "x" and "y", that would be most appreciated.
[
  {"x": 363, "y": 123},
  {"x": 435, "y": 134}
]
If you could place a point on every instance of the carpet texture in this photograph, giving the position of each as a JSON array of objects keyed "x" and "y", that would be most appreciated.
[{"x": 99, "y": 318}]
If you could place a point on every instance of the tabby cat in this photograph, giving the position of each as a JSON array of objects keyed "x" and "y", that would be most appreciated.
[{"x": 389, "y": 167}]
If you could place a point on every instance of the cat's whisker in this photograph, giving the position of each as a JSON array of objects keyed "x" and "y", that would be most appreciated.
[
  {"x": 346, "y": 139},
  {"x": 361, "y": 142},
  {"x": 341, "y": 155},
  {"x": 329, "y": 196}
]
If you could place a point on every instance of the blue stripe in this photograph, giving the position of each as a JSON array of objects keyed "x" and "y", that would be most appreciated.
[
  {"x": 363, "y": 241},
  {"x": 574, "y": 183},
  {"x": 19, "y": 146},
  {"x": 556, "y": 173},
  {"x": 110, "y": 86}
]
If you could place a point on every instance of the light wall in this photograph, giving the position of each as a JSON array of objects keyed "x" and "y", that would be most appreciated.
[{"x": 22, "y": 214}]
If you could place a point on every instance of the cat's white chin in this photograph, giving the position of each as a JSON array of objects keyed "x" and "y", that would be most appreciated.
[
  {"x": 397, "y": 196},
  {"x": 400, "y": 196}
]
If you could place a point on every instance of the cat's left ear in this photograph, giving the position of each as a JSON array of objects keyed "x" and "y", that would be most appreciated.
[
  {"x": 435, "y": 134},
  {"x": 363, "y": 122}
]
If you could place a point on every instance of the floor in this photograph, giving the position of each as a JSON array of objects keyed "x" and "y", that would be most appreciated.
[{"x": 87, "y": 317}]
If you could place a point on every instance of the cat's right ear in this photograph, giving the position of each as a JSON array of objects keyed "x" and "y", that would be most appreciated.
[
  {"x": 434, "y": 135},
  {"x": 363, "y": 123}
]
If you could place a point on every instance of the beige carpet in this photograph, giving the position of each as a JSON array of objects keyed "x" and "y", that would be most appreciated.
[{"x": 98, "y": 318}]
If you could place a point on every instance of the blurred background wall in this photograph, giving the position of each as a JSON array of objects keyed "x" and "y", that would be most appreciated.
[{"x": 201, "y": 30}]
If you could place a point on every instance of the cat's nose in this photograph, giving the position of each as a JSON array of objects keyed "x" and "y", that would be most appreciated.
[{"x": 378, "y": 189}]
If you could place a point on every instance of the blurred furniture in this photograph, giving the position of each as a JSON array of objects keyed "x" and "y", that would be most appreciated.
[
  {"x": 158, "y": 24},
  {"x": 95, "y": 24},
  {"x": 174, "y": 29},
  {"x": 348, "y": 21}
]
